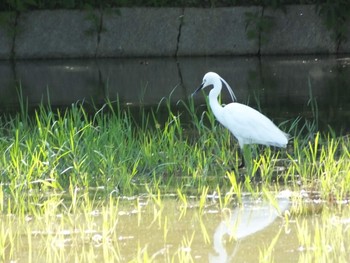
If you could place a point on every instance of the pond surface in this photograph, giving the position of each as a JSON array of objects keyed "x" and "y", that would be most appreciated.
[
  {"x": 147, "y": 229},
  {"x": 280, "y": 86}
]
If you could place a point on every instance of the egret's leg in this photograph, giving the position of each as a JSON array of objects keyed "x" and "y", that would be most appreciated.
[
  {"x": 246, "y": 156},
  {"x": 242, "y": 151},
  {"x": 242, "y": 165}
]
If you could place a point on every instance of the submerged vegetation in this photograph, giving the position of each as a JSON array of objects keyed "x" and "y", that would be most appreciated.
[{"x": 71, "y": 182}]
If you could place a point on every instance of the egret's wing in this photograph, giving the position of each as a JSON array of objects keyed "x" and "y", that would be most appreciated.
[{"x": 250, "y": 126}]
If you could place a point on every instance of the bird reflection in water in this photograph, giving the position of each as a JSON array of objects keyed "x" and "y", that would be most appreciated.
[{"x": 245, "y": 220}]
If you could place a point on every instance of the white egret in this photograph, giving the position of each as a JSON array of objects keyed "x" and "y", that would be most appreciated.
[{"x": 246, "y": 124}]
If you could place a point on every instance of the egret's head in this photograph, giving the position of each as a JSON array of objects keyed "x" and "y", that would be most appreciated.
[
  {"x": 209, "y": 79},
  {"x": 212, "y": 78}
]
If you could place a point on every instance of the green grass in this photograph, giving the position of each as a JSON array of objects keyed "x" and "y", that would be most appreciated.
[
  {"x": 58, "y": 149},
  {"x": 65, "y": 172}
]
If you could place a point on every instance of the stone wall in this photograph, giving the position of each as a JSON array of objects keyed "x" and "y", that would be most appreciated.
[{"x": 143, "y": 32}]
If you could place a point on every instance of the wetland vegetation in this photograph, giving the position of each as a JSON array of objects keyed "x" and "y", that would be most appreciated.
[{"x": 115, "y": 186}]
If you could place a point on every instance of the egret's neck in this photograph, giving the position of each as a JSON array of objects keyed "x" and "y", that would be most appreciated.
[{"x": 213, "y": 100}]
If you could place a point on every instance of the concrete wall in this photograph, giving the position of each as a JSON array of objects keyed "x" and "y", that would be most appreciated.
[{"x": 142, "y": 32}]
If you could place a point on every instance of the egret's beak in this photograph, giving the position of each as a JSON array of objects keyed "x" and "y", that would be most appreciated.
[{"x": 198, "y": 89}]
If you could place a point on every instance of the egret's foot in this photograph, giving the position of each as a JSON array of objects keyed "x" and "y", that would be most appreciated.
[{"x": 242, "y": 165}]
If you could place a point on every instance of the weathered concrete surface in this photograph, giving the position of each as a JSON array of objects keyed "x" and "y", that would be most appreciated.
[
  {"x": 299, "y": 30},
  {"x": 345, "y": 47},
  {"x": 145, "y": 32},
  {"x": 55, "y": 34},
  {"x": 140, "y": 32},
  {"x": 216, "y": 31},
  {"x": 8, "y": 92},
  {"x": 6, "y": 38}
]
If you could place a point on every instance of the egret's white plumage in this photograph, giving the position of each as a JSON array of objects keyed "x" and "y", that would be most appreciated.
[{"x": 247, "y": 124}]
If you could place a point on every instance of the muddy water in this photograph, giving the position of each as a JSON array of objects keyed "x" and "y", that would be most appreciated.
[
  {"x": 214, "y": 235},
  {"x": 144, "y": 229}
]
